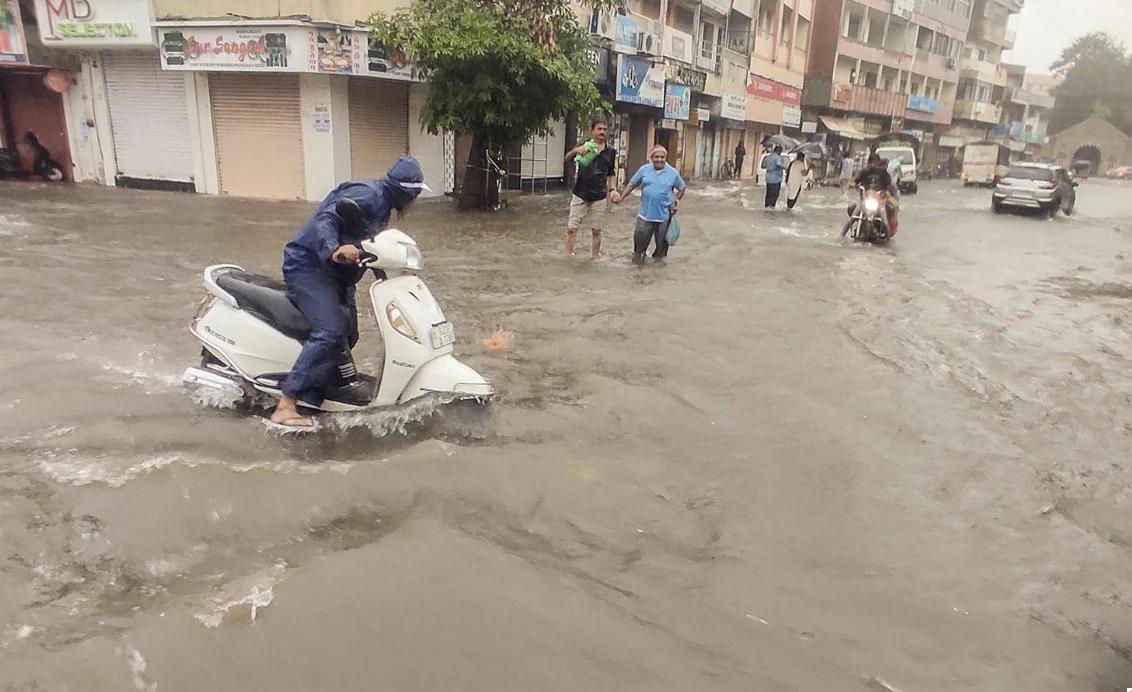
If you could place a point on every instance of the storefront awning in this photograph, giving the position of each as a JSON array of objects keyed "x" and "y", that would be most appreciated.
[{"x": 843, "y": 127}]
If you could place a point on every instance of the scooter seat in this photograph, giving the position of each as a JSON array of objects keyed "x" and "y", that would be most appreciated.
[{"x": 266, "y": 298}]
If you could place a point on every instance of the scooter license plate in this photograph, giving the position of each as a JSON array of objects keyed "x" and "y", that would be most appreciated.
[{"x": 442, "y": 335}]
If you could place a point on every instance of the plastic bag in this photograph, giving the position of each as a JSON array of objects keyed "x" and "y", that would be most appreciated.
[{"x": 673, "y": 233}]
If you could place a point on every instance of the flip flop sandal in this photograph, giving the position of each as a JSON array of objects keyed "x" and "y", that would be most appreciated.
[{"x": 290, "y": 428}]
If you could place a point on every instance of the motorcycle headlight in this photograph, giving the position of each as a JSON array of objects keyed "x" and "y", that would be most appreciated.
[
  {"x": 871, "y": 204},
  {"x": 397, "y": 319}
]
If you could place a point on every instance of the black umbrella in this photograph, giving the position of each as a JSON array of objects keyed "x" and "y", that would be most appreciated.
[
  {"x": 811, "y": 150},
  {"x": 783, "y": 141}
]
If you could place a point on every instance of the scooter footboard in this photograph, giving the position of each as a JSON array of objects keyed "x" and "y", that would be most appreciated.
[{"x": 446, "y": 375}]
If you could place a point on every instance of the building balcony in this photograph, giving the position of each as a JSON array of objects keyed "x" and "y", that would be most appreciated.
[
  {"x": 744, "y": 7},
  {"x": 935, "y": 66},
  {"x": 679, "y": 45},
  {"x": 994, "y": 33},
  {"x": 861, "y": 99},
  {"x": 1009, "y": 38},
  {"x": 710, "y": 57},
  {"x": 989, "y": 72},
  {"x": 977, "y": 111},
  {"x": 1029, "y": 98},
  {"x": 927, "y": 110},
  {"x": 863, "y": 51}
]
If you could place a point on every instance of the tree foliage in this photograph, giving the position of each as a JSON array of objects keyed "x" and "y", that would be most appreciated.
[
  {"x": 499, "y": 69},
  {"x": 1097, "y": 79}
]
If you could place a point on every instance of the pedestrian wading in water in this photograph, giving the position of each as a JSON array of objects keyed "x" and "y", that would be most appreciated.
[{"x": 662, "y": 188}]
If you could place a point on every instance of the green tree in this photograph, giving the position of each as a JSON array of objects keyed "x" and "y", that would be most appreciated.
[
  {"x": 499, "y": 71},
  {"x": 1096, "y": 73}
]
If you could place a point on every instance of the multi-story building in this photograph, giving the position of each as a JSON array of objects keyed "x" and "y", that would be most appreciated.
[
  {"x": 983, "y": 78},
  {"x": 878, "y": 65},
  {"x": 1025, "y": 114},
  {"x": 680, "y": 76},
  {"x": 777, "y": 72}
]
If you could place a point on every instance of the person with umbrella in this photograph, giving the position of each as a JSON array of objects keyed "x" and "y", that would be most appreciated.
[{"x": 775, "y": 170}]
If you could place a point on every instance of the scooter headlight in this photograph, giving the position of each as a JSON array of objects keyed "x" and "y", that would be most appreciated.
[
  {"x": 413, "y": 258},
  {"x": 402, "y": 325},
  {"x": 872, "y": 204}
]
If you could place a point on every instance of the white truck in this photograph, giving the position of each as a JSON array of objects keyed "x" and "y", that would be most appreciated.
[{"x": 984, "y": 163}]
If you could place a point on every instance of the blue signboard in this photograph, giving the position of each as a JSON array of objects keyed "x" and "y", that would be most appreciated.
[
  {"x": 922, "y": 104},
  {"x": 640, "y": 81},
  {"x": 677, "y": 101},
  {"x": 625, "y": 40}
]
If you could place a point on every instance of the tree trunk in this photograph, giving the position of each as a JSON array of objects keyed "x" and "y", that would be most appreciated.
[{"x": 482, "y": 181}]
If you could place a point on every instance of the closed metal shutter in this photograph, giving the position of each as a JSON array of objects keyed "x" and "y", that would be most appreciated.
[
  {"x": 257, "y": 121},
  {"x": 379, "y": 125},
  {"x": 148, "y": 117}
]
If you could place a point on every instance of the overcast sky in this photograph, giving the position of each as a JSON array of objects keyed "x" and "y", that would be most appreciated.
[{"x": 1046, "y": 27}]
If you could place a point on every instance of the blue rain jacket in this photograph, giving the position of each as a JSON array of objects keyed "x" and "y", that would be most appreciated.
[{"x": 316, "y": 242}]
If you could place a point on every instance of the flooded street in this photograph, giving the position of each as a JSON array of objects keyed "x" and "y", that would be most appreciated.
[{"x": 777, "y": 462}]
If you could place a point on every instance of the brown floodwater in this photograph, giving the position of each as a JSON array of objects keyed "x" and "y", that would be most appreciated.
[{"x": 776, "y": 462}]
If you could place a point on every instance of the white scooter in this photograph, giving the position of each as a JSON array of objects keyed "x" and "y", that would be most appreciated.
[{"x": 252, "y": 334}]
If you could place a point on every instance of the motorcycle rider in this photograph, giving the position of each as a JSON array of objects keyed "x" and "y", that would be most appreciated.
[
  {"x": 874, "y": 177},
  {"x": 320, "y": 268}
]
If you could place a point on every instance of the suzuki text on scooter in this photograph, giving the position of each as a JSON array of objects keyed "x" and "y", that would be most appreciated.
[{"x": 251, "y": 335}]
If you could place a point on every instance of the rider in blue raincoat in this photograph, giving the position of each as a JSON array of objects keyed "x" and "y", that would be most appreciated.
[{"x": 320, "y": 268}]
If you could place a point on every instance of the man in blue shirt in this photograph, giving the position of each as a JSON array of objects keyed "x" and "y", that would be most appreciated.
[
  {"x": 657, "y": 181},
  {"x": 775, "y": 168}
]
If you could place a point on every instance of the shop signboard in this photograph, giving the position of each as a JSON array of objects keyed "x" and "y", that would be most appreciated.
[
  {"x": 677, "y": 101},
  {"x": 640, "y": 81},
  {"x": 599, "y": 61},
  {"x": 256, "y": 47},
  {"x": 922, "y": 104},
  {"x": 810, "y": 126},
  {"x": 336, "y": 51},
  {"x": 686, "y": 75},
  {"x": 761, "y": 87},
  {"x": 625, "y": 38},
  {"x": 234, "y": 48},
  {"x": 791, "y": 116},
  {"x": 733, "y": 106},
  {"x": 94, "y": 23},
  {"x": 387, "y": 63},
  {"x": 704, "y": 114},
  {"x": 13, "y": 48}
]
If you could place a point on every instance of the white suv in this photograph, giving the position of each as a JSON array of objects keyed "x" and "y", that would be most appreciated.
[{"x": 1040, "y": 186}]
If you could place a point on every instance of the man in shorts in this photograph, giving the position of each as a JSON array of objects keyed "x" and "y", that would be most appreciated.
[{"x": 595, "y": 181}]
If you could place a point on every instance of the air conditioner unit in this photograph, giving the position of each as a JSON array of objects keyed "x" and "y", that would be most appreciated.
[
  {"x": 604, "y": 23},
  {"x": 951, "y": 63},
  {"x": 647, "y": 43},
  {"x": 648, "y": 40}
]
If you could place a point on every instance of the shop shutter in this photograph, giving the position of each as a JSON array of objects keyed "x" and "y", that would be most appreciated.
[
  {"x": 148, "y": 118},
  {"x": 379, "y": 125},
  {"x": 257, "y": 121}
]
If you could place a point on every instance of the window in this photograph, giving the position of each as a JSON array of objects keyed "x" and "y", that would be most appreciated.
[
  {"x": 1030, "y": 173},
  {"x": 802, "y": 37},
  {"x": 854, "y": 23},
  {"x": 685, "y": 19},
  {"x": 766, "y": 19},
  {"x": 787, "y": 26}
]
